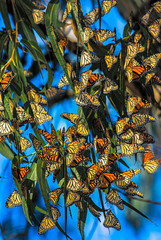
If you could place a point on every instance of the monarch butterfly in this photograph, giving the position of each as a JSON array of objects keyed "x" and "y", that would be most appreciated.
[
  {"x": 137, "y": 37},
  {"x": 91, "y": 17},
  {"x": 110, "y": 60},
  {"x": 73, "y": 147},
  {"x": 130, "y": 191},
  {"x": 111, "y": 221},
  {"x": 55, "y": 195},
  {"x": 140, "y": 138},
  {"x": 102, "y": 35},
  {"x": 107, "y": 179},
  {"x": 113, "y": 157},
  {"x": 50, "y": 138},
  {"x": 152, "y": 14},
  {"x": 21, "y": 173},
  {"x": 22, "y": 115},
  {"x": 135, "y": 103},
  {"x": 100, "y": 143},
  {"x": 70, "y": 133},
  {"x": 149, "y": 164},
  {"x": 122, "y": 181},
  {"x": 74, "y": 185},
  {"x": 33, "y": 96},
  {"x": 55, "y": 213},
  {"x": 134, "y": 70},
  {"x": 95, "y": 77},
  {"x": 94, "y": 212},
  {"x": 114, "y": 198},
  {"x": 46, "y": 224},
  {"x": 154, "y": 29},
  {"x": 71, "y": 198},
  {"x": 152, "y": 60},
  {"x": 85, "y": 76},
  {"x": 87, "y": 58},
  {"x": 50, "y": 154},
  {"x": 142, "y": 119},
  {"x": 39, "y": 5},
  {"x": 6, "y": 80},
  {"x": 134, "y": 48},
  {"x": 126, "y": 135},
  {"x": 92, "y": 171},
  {"x": 78, "y": 87},
  {"x": 122, "y": 125},
  {"x": 5, "y": 128},
  {"x": 86, "y": 100},
  {"x": 151, "y": 78},
  {"x": 129, "y": 149},
  {"x": 131, "y": 173},
  {"x": 40, "y": 114},
  {"x": 36, "y": 143},
  {"x": 38, "y": 16},
  {"x": 14, "y": 200},
  {"x": 87, "y": 34},
  {"x": 84, "y": 147},
  {"x": 73, "y": 118},
  {"x": 62, "y": 44},
  {"x": 109, "y": 86},
  {"x": 24, "y": 144},
  {"x": 93, "y": 184},
  {"x": 52, "y": 168},
  {"x": 81, "y": 130},
  {"x": 107, "y": 5},
  {"x": 64, "y": 81},
  {"x": 73, "y": 160}
]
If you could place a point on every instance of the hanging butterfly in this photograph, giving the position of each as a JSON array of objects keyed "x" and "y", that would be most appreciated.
[
  {"x": 95, "y": 77},
  {"x": 6, "y": 79},
  {"x": 109, "y": 86},
  {"x": 70, "y": 133},
  {"x": 73, "y": 160},
  {"x": 114, "y": 198},
  {"x": 110, "y": 60},
  {"x": 91, "y": 17},
  {"x": 134, "y": 70},
  {"x": 134, "y": 48},
  {"x": 21, "y": 173},
  {"x": 55, "y": 195},
  {"x": 113, "y": 157},
  {"x": 124, "y": 178},
  {"x": 45, "y": 225},
  {"x": 149, "y": 164},
  {"x": 74, "y": 185},
  {"x": 108, "y": 4},
  {"x": 36, "y": 143},
  {"x": 55, "y": 213},
  {"x": 84, "y": 147},
  {"x": 23, "y": 144},
  {"x": 50, "y": 154},
  {"x": 38, "y": 16},
  {"x": 81, "y": 130},
  {"x": 14, "y": 200},
  {"x": 94, "y": 212},
  {"x": 51, "y": 168},
  {"x": 40, "y": 114},
  {"x": 5, "y": 128},
  {"x": 78, "y": 87},
  {"x": 137, "y": 37},
  {"x": 140, "y": 138},
  {"x": 87, "y": 58},
  {"x": 102, "y": 35},
  {"x": 48, "y": 137},
  {"x": 130, "y": 191},
  {"x": 86, "y": 100},
  {"x": 152, "y": 61},
  {"x": 33, "y": 96},
  {"x": 73, "y": 118},
  {"x": 111, "y": 221},
  {"x": 135, "y": 103},
  {"x": 93, "y": 184},
  {"x": 107, "y": 179},
  {"x": 73, "y": 147},
  {"x": 71, "y": 198},
  {"x": 128, "y": 134},
  {"x": 87, "y": 34},
  {"x": 152, "y": 15},
  {"x": 100, "y": 143},
  {"x": 62, "y": 44},
  {"x": 85, "y": 76},
  {"x": 130, "y": 149},
  {"x": 64, "y": 81},
  {"x": 154, "y": 30},
  {"x": 92, "y": 171},
  {"x": 141, "y": 119},
  {"x": 123, "y": 125},
  {"x": 151, "y": 78}
]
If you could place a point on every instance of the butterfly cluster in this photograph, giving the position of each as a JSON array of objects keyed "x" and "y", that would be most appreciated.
[{"x": 90, "y": 154}]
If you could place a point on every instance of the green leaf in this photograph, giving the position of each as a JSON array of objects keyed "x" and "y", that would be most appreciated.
[
  {"x": 3, "y": 40},
  {"x": 82, "y": 219},
  {"x": 26, "y": 211},
  {"x": 6, "y": 151},
  {"x": 5, "y": 15}
]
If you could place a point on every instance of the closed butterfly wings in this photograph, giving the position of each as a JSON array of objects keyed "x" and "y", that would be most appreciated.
[
  {"x": 87, "y": 58},
  {"x": 149, "y": 163},
  {"x": 86, "y": 100},
  {"x": 46, "y": 224},
  {"x": 40, "y": 114},
  {"x": 6, "y": 80},
  {"x": 111, "y": 221},
  {"x": 107, "y": 5},
  {"x": 38, "y": 16},
  {"x": 14, "y": 200}
]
